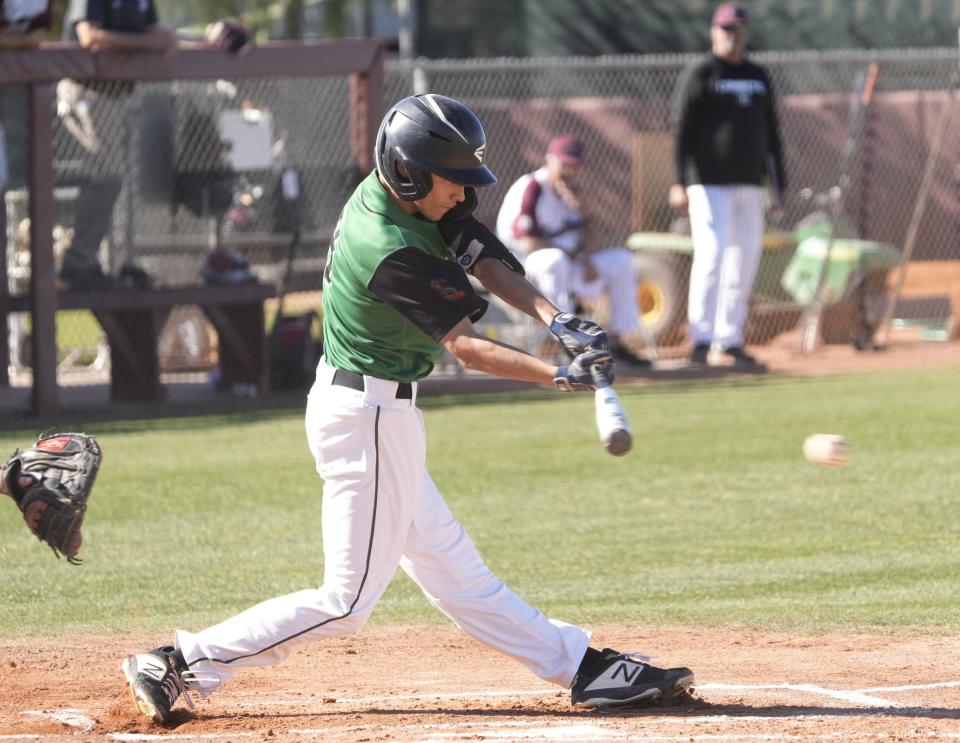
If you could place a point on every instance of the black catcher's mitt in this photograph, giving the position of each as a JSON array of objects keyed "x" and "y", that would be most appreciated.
[
  {"x": 227, "y": 35},
  {"x": 51, "y": 482}
]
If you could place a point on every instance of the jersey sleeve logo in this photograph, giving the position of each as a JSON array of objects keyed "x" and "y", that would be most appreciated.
[{"x": 446, "y": 290}]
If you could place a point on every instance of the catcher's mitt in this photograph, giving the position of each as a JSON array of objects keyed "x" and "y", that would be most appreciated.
[
  {"x": 51, "y": 483},
  {"x": 227, "y": 35}
]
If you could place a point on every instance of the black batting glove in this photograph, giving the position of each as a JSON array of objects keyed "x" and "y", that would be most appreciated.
[
  {"x": 578, "y": 375},
  {"x": 577, "y": 335}
]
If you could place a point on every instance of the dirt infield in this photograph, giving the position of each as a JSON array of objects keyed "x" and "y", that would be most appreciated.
[
  {"x": 906, "y": 351},
  {"x": 433, "y": 683}
]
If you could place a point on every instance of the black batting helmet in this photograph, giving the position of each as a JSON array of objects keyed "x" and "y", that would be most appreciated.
[{"x": 427, "y": 134}]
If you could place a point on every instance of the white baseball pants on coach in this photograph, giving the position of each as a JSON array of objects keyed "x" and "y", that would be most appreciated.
[
  {"x": 726, "y": 223},
  {"x": 381, "y": 509},
  {"x": 560, "y": 279}
]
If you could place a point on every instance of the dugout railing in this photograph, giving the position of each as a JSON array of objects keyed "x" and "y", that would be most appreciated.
[{"x": 197, "y": 144}]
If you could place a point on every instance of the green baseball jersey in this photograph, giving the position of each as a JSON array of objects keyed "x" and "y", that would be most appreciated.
[{"x": 391, "y": 289}]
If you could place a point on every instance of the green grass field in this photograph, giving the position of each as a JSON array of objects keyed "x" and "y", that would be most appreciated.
[{"x": 714, "y": 519}]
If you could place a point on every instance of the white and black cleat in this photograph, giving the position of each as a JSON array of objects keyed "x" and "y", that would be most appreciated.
[
  {"x": 626, "y": 680},
  {"x": 155, "y": 682}
]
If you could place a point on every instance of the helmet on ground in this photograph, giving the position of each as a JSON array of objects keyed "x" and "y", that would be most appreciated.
[{"x": 430, "y": 134}]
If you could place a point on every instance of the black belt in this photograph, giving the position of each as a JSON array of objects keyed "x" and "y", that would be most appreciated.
[{"x": 354, "y": 381}]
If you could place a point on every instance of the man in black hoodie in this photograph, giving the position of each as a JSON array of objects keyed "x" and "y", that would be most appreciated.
[{"x": 726, "y": 143}]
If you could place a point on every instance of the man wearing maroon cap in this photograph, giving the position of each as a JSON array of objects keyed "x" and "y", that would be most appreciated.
[
  {"x": 544, "y": 222},
  {"x": 726, "y": 145}
]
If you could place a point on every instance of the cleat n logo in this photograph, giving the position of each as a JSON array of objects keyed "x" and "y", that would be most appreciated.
[
  {"x": 628, "y": 675},
  {"x": 153, "y": 670}
]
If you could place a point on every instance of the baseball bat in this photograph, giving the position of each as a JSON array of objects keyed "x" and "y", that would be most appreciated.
[{"x": 612, "y": 422}]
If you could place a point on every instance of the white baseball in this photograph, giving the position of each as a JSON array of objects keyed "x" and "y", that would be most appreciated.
[{"x": 829, "y": 449}]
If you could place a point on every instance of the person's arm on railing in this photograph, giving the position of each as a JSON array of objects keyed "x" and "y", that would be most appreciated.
[
  {"x": 156, "y": 38},
  {"x": 22, "y": 41}
]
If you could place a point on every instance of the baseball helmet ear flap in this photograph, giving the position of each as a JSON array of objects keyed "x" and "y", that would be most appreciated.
[
  {"x": 430, "y": 134},
  {"x": 407, "y": 180}
]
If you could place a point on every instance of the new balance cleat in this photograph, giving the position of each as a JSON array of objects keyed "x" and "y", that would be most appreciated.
[
  {"x": 627, "y": 680},
  {"x": 156, "y": 682}
]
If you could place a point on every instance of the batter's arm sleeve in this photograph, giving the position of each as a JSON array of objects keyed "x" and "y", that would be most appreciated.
[
  {"x": 774, "y": 142},
  {"x": 471, "y": 240},
  {"x": 476, "y": 242},
  {"x": 685, "y": 104},
  {"x": 433, "y": 294}
]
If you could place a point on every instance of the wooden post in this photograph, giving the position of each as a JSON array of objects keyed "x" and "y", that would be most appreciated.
[
  {"x": 366, "y": 111},
  {"x": 4, "y": 291},
  {"x": 43, "y": 292}
]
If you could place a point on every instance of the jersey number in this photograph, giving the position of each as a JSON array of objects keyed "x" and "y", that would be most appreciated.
[{"x": 328, "y": 269}]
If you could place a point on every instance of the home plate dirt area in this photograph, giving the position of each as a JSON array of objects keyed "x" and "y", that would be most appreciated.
[{"x": 433, "y": 683}]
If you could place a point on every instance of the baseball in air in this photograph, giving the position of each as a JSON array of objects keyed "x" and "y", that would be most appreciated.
[{"x": 828, "y": 449}]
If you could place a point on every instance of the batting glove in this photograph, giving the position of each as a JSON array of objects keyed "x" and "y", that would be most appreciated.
[
  {"x": 577, "y": 335},
  {"x": 578, "y": 375}
]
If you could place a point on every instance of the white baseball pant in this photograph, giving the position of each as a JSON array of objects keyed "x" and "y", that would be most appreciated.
[
  {"x": 560, "y": 279},
  {"x": 381, "y": 509},
  {"x": 726, "y": 223}
]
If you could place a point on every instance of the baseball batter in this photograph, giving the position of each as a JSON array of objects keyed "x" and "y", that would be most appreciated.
[
  {"x": 395, "y": 294},
  {"x": 727, "y": 141}
]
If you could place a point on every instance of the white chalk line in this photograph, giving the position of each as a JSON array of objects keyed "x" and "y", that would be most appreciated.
[
  {"x": 854, "y": 697},
  {"x": 604, "y": 735},
  {"x": 912, "y": 687},
  {"x": 76, "y": 718},
  {"x": 578, "y": 732},
  {"x": 175, "y": 736}
]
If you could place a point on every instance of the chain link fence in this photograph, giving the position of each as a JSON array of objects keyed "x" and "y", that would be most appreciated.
[
  {"x": 182, "y": 183},
  {"x": 621, "y": 107}
]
